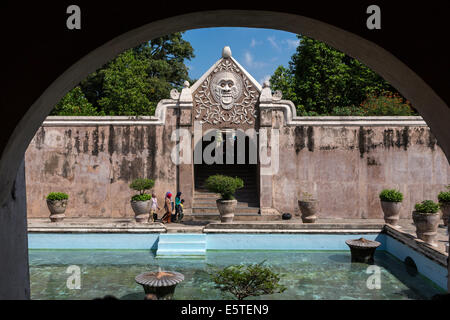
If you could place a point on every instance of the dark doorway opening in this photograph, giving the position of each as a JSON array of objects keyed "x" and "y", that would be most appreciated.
[{"x": 234, "y": 161}]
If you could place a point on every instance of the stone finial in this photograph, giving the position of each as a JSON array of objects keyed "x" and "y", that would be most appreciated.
[
  {"x": 266, "y": 92},
  {"x": 186, "y": 94},
  {"x": 226, "y": 52}
]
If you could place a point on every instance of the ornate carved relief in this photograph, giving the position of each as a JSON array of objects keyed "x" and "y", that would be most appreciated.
[{"x": 226, "y": 97}]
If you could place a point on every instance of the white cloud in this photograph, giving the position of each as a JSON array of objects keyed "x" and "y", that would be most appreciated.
[
  {"x": 255, "y": 43},
  {"x": 291, "y": 43},
  {"x": 250, "y": 62},
  {"x": 274, "y": 43},
  {"x": 248, "y": 58}
]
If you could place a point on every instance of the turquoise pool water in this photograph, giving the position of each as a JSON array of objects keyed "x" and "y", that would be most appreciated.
[{"x": 306, "y": 274}]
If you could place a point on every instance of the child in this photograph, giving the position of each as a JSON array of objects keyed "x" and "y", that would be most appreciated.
[
  {"x": 181, "y": 215},
  {"x": 154, "y": 208}
]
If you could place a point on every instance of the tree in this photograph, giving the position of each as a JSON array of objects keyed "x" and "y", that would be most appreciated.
[
  {"x": 324, "y": 81},
  {"x": 74, "y": 103},
  {"x": 126, "y": 87},
  {"x": 134, "y": 82},
  {"x": 243, "y": 281},
  {"x": 283, "y": 80}
]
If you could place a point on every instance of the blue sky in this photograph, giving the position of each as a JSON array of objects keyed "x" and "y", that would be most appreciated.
[{"x": 259, "y": 51}]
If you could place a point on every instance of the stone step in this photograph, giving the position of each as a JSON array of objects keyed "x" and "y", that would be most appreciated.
[
  {"x": 208, "y": 202},
  {"x": 241, "y": 191},
  {"x": 189, "y": 246},
  {"x": 181, "y": 245},
  {"x": 201, "y": 185},
  {"x": 237, "y": 217},
  {"x": 187, "y": 254},
  {"x": 214, "y": 209}
]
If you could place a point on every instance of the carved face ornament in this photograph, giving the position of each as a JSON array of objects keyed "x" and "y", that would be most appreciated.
[{"x": 227, "y": 88}]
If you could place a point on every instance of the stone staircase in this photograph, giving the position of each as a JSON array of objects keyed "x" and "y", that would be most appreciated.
[
  {"x": 204, "y": 203},
  {"x": 173, "y": 245}
]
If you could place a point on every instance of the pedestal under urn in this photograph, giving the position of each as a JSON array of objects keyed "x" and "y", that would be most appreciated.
[
  {"x": 160, "y": 283},
  {"x": 362, "y": 250}
]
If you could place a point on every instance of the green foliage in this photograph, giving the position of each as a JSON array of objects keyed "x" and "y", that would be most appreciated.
[
  {"x": 427, "y": 207},
  {"x": 444, "y": 196},
  {"x": 141, "y": 197},
  {"x": 53, "y": 196},
  {"x": 134, "y": 82},
  {"x": 323, "y": 81},
  {"x": 386, "y": 104},
  {"x": 224, "y": 185},
  {"x": 283, "y": 80},
  {"x": 142, "y": 184},
  {"x": 247, "y": 280},
  {"x": 74, "y": 103},
  {"x": 391, "y": 195},
  {"x": 126, "y": 89}
]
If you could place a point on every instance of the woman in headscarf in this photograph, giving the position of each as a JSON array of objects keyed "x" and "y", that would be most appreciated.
[{"x": 168, "y": 206}]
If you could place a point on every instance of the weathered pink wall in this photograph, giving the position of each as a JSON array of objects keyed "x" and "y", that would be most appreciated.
[
  {"x": 344, "y": 166},
  {"x": 347, "y": 167},
  {"x": 95, "y": 165}
]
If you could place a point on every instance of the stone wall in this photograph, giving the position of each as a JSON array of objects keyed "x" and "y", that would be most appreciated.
[
  {"x": 343, "y": 164},
  {"x": 346, "y": 167},
  {"x": 95, "y": 164}
]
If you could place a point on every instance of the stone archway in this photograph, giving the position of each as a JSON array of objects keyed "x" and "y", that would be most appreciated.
[
  {"x": 225, "y": 110},
  {"x": 14, "y": 253}
]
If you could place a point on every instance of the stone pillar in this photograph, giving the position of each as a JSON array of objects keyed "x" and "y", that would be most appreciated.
[
  {"x": 265, "y": 123},
  {"x": 186, "y": 170},
  {"x": 14, "y": 273}
]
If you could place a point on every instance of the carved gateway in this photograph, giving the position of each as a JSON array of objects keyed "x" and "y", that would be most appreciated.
[{"x": 226, "y": 97}]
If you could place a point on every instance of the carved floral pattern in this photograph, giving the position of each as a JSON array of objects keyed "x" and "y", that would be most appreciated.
[{"x": 208, "y": 110}]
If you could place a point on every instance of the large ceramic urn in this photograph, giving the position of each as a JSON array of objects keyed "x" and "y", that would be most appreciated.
[
  {"x": 426, "y": 226},
  {"x": 141, "y": 210},
  {"x": 309, "y": 210},
  {"x": 445, "y": 208},
  {"x": 226, "y": 209},
  {"x": 57, "y": 209},
  {"x": 391, "y": 212}
]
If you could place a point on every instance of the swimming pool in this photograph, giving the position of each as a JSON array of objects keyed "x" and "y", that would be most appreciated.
[{"x": 311, "y": 266}]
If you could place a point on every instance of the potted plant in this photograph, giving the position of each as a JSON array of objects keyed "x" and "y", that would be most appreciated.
[
  {"x": 226, "y": 186},
  {"x": 444, "y": 201},
  {"x": 391, "y": 203},
  {"x": 141, "y": 202},
  {"x": 57, "y": 203},
  {"x": 309, "y": 207},
  {"x": 426, "y": 218}
]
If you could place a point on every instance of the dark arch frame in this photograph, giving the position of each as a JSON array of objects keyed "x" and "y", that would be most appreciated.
[{"x": 21, "y": 129}]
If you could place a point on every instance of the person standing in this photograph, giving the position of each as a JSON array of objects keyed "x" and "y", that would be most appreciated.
[
  {"x": 177, "y": 206},
  {"x": 168, "y": 207},
  {"x": 154, "y": 208}
]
